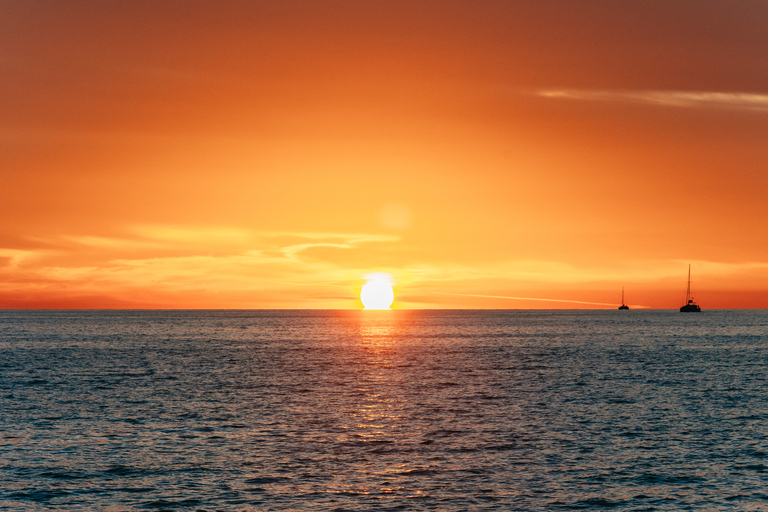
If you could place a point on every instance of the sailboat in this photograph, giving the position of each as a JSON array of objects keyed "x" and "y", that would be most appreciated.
[
  {"x": 623, "y": 306},
  {"x": 690, "y": 306}
]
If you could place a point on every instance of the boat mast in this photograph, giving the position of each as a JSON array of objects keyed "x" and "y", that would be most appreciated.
[
  {"x": 622, "y": 295},
  {"x": 688, "y": 290}
]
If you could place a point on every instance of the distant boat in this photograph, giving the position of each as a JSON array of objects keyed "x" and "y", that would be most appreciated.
[
  {"x": 623, "y": 306},
  {"x": 690, "y": 306}
]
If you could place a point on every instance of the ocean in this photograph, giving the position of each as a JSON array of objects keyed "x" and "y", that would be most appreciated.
[{"x": 383, "y": 410}]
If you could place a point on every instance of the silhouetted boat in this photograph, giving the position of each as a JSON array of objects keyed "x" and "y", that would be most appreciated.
[
  {"x": 623, "y": 306},
  {"x": 690, "y": 306}
]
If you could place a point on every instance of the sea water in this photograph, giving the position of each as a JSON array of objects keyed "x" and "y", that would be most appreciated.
[{"x": 383, "y": 410}]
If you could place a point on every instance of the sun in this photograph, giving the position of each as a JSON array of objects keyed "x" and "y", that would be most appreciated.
[{"x": 377, "y": 293}]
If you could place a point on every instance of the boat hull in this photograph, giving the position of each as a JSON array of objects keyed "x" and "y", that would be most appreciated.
[{"x": 690, "y": 308}]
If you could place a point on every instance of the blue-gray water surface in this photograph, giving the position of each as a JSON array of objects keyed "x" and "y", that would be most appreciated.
[{"x": 389, "y": 410}]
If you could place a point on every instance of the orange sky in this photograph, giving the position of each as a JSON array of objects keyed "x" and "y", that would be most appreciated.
[{"x": 270, "y": 154}]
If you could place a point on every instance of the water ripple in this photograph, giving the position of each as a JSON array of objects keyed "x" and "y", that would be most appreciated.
[{"x": 400, "y": 410}]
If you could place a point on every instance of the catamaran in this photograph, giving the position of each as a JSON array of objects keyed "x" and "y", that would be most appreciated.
[
  {"x": 690, "y": 306},
  {"x": 623, "y": 306}
]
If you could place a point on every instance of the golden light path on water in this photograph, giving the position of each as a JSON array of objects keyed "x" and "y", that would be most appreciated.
[{"x": 380, "y": 416}]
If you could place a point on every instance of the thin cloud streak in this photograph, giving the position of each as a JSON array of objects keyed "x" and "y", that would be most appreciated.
[
  {"x": 687, "y": 99},
  {"x": 356, "y": 237},
  {"x": 506, "y": 297}
]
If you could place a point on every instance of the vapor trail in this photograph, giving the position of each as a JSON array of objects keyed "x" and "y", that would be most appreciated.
[
  {"x": 666, "y": 98},
  {"x": 528, "y": 298}
]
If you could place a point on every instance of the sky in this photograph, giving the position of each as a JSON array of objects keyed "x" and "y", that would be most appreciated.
[{"x": 486, "y": 154}]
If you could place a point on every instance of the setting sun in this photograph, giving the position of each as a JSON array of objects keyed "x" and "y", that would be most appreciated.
[{"x": 377, "y": 293}]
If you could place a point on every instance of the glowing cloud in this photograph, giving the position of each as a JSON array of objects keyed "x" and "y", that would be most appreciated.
[{"x": 666, "y": 98}]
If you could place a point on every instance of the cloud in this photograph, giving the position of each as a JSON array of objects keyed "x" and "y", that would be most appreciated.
[
  {"x": 223, "y": 267},
  {"x": 474, "y": 279},
  {"x": 506, "y": 297},
  {"x": 207, "y": 235},
  {"x": 101, "y": 242},
  {"x": 346, "y": 242},
  {"x": 13, "y": 257},
  {"x": 687, "y": 99},
  {"x": 321, "y": 235},
  {"x": 214, "y": 266}
]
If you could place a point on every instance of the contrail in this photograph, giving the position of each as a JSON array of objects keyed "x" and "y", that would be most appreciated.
[
  {"x": 667, "y": 98},
  {"x": 528, "y": 298}
]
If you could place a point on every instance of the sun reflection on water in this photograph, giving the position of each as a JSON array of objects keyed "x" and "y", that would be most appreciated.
[
  {"x": 378, "y": 414},
  {"x": 378, "y": 327}
]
